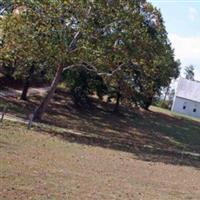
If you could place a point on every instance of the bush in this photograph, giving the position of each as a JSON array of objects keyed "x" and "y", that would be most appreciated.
[
  {"x": 83, "y": 83},
  {"x": 163, "y": 104}
]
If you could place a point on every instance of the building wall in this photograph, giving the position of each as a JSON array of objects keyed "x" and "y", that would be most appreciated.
[{"x": 187, "y": 107}]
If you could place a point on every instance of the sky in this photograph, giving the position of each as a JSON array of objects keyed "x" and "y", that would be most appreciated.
[{"x": 182, "y": 21}]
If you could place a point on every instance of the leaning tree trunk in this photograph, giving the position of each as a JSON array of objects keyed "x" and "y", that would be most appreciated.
[
  {"x": 44, "y": 104},
  {"x": 27, "y": 83}
]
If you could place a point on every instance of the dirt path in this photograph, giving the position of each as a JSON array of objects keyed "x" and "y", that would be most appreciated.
[{"x": 16, "y": 93}]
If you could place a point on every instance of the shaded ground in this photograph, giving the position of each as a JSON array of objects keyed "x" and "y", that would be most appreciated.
[
  {"x": 6, "y": 83},
  {"x": 35, "y": 165},
  {"x": 152, "y": 136}
]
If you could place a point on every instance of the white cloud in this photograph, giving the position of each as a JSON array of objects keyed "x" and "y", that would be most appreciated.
[
  {"x": 193, "y": 13},
  {"x": 187, "y": 49}
]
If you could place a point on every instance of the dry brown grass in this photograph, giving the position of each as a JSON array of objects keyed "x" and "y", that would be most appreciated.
[{"x": 37, "y": 165}]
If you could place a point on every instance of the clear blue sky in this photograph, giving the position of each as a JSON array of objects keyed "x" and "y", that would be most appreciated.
[{"x": 182, "y": 20}]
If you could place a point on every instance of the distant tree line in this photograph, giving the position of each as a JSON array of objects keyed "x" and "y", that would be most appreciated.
[
  {"x": 189, "y": 72},
  {"x": 108, "y": 47}
]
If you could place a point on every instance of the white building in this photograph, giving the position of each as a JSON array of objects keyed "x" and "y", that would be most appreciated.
[{"x": 187, "y": 98}]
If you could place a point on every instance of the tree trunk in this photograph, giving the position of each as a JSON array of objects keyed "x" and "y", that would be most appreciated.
[
  {"x": 117, "y": 102},
  {"x": 148, "y": 103},
  {"x": 27, "y": 83},
  {"x": 166, "y": 93},
  {"x": 44, "y": 104},
  {"x": 25, "y": 90}
]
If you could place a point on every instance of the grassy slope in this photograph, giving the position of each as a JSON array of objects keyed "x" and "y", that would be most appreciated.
[
  {"x": 174, "y": 114},
  {"x": 128, "y": 131},
  {"x": 38, "y": 165}
]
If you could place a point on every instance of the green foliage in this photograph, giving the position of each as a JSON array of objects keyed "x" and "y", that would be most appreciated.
[
  {"x": 83, "y": 83},
  {"x": 105, "y": 35},
  {"x": 189, "y": 72},
  {"x": 162, "y": 104}
]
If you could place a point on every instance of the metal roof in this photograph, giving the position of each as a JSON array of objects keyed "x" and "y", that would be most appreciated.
[{"x": 188, "y": 89}]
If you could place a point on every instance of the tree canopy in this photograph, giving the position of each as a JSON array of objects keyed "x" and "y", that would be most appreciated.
[{"x": 124, "y": 42}]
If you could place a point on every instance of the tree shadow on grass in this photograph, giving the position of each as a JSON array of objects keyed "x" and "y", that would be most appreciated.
[
  {"x": 142, "y": 152},
  {"x": 150, "y": 136}
]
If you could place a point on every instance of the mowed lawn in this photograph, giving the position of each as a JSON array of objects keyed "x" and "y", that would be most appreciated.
[{"x": 36, "y": 164}]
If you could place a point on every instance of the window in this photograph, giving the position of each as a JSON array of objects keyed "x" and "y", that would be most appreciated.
[
  {"x": 184, "y": 105},
  {"x": 195, "y": 108}
]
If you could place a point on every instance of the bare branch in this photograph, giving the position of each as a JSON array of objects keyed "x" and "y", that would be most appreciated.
[
  {"x": 2, "y": 10},
  {"x": 9, "y": 7},
  {"x": 73, "y": 44},
  {"x": 74, "y": 41},
  {"x": 92, "y": 68},
  {"x": 119, "y": 68}
]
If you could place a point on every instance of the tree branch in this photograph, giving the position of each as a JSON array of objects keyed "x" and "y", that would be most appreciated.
[
  {"x": 73, "y": 44},
  {"x": 74, "y": 41},
  {"x": 5, "y": 8},
  {"x": 92, "y": 68}
]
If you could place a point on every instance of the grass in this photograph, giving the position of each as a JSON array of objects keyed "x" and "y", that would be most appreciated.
[
  {"x": 126, "y": 131},
  {"x": 174, "y": 114},
  {"x": 16, "y": 107},
  {"x": 39, "y": 165},
  {"x": 96, "y": 154}
]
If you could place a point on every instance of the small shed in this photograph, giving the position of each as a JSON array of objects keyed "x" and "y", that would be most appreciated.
[{"x": 187, "y": 98}]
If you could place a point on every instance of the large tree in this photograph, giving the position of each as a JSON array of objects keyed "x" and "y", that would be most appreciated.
[
  {"x": 67, "y": 33},
  {"x": 23, "y": 50},
  {"x": 39, "y": 30},
  {"x": 125, "y": 40},
  {"x": 157, "y": 64}
]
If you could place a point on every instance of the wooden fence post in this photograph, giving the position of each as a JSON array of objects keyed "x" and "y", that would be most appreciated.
[
  {"x": 30, "y": 121},
  {"x": 3, "y": 113},
  {"x": 31, "y": 118}
]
